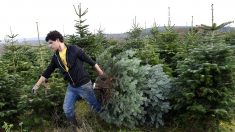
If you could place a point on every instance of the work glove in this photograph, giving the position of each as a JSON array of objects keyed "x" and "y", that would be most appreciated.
[{"x": 34, "y": 89}]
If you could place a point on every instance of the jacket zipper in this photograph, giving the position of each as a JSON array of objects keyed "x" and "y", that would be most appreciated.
[{"x": 64, "y": 69}]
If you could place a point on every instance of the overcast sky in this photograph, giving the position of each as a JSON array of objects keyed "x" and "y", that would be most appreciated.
[{"x": 113, "y": 16}]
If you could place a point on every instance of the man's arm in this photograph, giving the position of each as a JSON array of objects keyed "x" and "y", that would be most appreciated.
[
  {"x": 83, "y": 56},
  {"x": 40, "y": 80},
  {"x": 98, "y": 69},
  {"x": 44, "y": 76}
]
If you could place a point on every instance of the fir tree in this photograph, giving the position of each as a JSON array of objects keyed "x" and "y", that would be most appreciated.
[
  {"x": 204, "y": 88},
  {"x": 16, "y": 81},
  {"x": 230, "y": 38},
  {"x": 136, "y": 30},
  {"x": 86, "y": 40},
  {"x": 10, "y": 85},
  {"x": 82, "y": 29},
  {"x": 212, "y": 31},
  {"x": 138, "y": 93}
]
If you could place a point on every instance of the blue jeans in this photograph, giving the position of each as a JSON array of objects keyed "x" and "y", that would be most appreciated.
[{"x": 74, "y": 94}]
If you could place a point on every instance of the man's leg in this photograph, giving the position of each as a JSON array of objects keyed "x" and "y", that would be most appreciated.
[
  {"x": 87, "y": 92},
  {"x": 68, "y": 106}
]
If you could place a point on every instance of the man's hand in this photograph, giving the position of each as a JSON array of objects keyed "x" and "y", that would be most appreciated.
[
  {"x": 98, "y": 69},
  {"x": 34, "y": 89},
  {"x": 103, "y": 77},
  {"x": 36, "y": 86}
]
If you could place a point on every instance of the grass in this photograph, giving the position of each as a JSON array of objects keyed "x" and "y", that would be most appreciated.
[
  {"x": 96, "y": 124},
  {"x": 228, "y": 127},
  {"x": 93, "y": 123}
]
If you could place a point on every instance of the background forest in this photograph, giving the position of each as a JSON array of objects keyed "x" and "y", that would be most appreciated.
[{"x": 157, "y": 81}]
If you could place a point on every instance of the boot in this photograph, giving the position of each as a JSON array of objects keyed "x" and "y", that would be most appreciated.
[{"x": 75, "y": 125}]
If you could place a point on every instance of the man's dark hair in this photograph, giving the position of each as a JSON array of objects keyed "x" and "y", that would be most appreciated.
[{"x": 53, "y": 35}]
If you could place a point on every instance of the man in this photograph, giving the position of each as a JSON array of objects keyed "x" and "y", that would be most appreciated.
[{"x": 69, "y": 59}]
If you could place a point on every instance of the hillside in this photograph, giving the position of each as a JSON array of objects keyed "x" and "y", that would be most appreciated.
[
  {"x": 179, "y": 29},
  {"x": 1, "y": 48},
  {"x": 118, "y": 36}
]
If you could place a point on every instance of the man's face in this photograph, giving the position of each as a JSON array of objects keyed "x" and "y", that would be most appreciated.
[{"x": 54, "y": 45}]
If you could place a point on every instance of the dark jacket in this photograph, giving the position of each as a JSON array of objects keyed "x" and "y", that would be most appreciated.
[{"x": 75, "y": 56}]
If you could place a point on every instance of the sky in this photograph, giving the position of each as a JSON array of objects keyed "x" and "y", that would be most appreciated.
[{"x": 112, "y": 16}]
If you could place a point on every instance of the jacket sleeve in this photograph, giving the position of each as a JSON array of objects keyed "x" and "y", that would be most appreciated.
[
  {"x": 84, "y": 57},
  {"x": 47, "y": 73}
]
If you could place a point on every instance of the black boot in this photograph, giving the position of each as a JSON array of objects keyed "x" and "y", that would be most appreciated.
[{"x": 74, "y": 123}]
